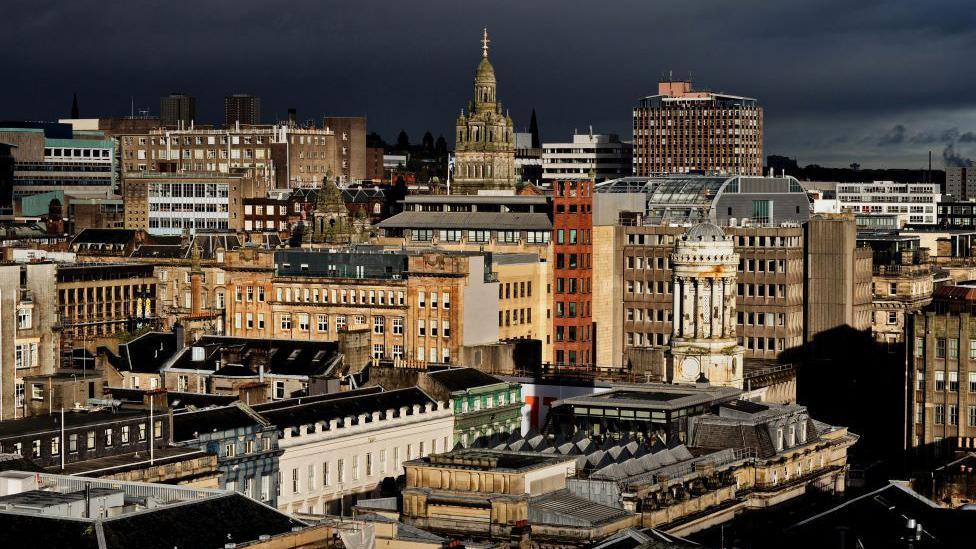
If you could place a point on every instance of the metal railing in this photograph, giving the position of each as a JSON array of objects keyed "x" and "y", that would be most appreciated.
[{"x": 159, "y": 492}]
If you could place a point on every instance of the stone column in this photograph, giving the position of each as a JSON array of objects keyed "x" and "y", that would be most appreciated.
[
  {"x": 701, "y": 306},
  {"x": 676, "y": 307}
]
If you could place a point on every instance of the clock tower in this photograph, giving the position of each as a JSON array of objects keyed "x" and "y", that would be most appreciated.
[{"x": 703, "y": 341}]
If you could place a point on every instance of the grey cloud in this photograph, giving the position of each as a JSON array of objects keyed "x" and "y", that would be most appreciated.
[
  {"x": 896, "y": 136},
  {"x": 410, "y": 64}
]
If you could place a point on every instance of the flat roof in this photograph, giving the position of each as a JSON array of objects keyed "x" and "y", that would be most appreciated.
[
  {"x": 490, "y": 460},
  {"x": 654, "y": 395}
]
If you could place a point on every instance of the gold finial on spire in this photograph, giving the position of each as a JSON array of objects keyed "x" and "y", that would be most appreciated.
[{"x": 484, "y": 42}]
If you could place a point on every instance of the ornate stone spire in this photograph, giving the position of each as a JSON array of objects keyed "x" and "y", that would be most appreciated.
[{"x": 484, "y": 42}]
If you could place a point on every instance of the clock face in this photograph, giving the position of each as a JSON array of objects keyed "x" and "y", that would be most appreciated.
[{"x": 689, "y": 368}]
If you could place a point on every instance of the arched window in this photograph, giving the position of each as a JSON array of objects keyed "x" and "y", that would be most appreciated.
[{"x": 377, "y": 208}]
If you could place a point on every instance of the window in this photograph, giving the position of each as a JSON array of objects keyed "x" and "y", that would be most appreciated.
[
  {"x": 939, "y": 414},
  {"x": 369, "y": 464},
  {"x": 125, "y": 434},
  {"x": 55, "y": 446},
  {"x": 379, "y": 325},
  {"x": 953, "y": 414},
  {"x": 37, "y": 391},
  {"x": 142, "y": 431},
  {"x": 322, "y": 323},
  {"x": 182, "y": 383},
  {"x": 310, "y": 478},
  {"x": 953, "y": 348},
  {"x": 892, "y": 317},
  {"x": 230, "y": 449},
  {"x": 397, "y": 325},
  {"x": 36, "y": 448},
  {"x": 157, "y": 429},
  {"x": 90, "y": 440},
  {"x": 341, "y": 470},
  {"x": 382, "y": 461},
  {"x": 779, "y": 439},
  {"x": 72, "y": 443},
  {"x": 940, "y": 347},
  {"x": 953, "y": 382},
  {"x": 24, "y": 320},
  {"x": 286, "y": 321},
  {"x": 303, "y": 322},
  {"x": 326, "y": 475},
  {"x": 108, "y": 437},
  {"x": 279, "y": 391},
  {"x": 421, "y": 327},
  {"x": 939, "y": 380},
  {"x": 294, "y": 481}
]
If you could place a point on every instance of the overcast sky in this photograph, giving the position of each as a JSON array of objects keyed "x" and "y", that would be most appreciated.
[{"x": 875, "y": 82}]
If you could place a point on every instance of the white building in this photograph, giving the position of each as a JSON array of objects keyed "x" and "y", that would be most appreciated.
[
  {"x": 605, "y": 155},
  {"x": 342, "y": 446},
  {"x": 195, "y": 203},
  {"x": 703, "y": 339},
  {"x": 912, "y": 203}
]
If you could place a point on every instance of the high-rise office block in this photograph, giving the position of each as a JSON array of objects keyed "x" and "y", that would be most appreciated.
[
  {"x": 682, "y": 130},
  {"x": 177, "y": 110},
  {"x": 242, "y": 108},
  {"x": 961, "y": 182}
]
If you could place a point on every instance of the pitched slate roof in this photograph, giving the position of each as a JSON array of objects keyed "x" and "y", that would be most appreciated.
[
  {"x": 310, "y": 413},
  {"x": 190, "y": 425},
  {"x": 462, "y": 379}
]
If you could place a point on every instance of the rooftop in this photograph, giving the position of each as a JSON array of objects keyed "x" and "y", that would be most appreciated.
[
  {"x": 190, "y": 425},
  {"x": 48, "y": 510},
  {"x": 298, "y": 412},
  {"x": 72, "y": 419},
  {"x": 462, "y": 379},
  {"x": 654, "y": 395},
  {"x": 501, "y": 221},
  {"x": 490, "y": 460}
]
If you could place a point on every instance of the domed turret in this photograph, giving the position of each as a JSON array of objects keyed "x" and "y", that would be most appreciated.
[{"x": 705, "y": 232}]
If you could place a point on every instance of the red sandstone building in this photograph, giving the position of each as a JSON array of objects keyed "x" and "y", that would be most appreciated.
[
  {"x": 572, "y": 276},
  {"x": 682, "y": 130}
]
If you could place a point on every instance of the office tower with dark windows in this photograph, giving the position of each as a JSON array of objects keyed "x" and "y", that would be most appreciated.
[
  {"x": 682, "y": 130},
  {"x": 177, "y": 110},
  {"x": 242, "y": 108}
]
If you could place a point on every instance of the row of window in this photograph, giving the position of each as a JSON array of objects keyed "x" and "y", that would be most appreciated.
[
  {"x": 944, "y": 347},
  {"x": 484, "y": 236},
  {"x": 321, "y": 476},
  {"x": 314, "y": 295},
  {"x": 941, "y": 418},
  {"x": 514, "y": 317},
  {"x": 107, "y": 436},
  {"x": 515, "y": 290},
  {"x": 940, "y": 381}
]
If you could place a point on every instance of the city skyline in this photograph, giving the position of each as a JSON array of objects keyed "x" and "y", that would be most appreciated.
[{"x": 878, "y": 85}]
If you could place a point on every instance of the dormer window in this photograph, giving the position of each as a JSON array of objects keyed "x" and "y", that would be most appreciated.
[
  {"x": 803, "y": 432},
  {"x": 779, "y": 439},
  {"x": 792, "y": 436}
]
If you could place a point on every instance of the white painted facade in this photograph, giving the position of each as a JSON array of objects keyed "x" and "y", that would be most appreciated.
[
  {"x": 604, "y": 155},
  {"x": 175, "y": 205},
  {"x": 914, "y": 203},
  {"x": 320, "y": 467}
]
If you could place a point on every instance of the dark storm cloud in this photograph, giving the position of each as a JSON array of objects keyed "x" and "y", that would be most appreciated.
[
  {"x": 894, "y": 137},
  {"x": 823, "y": 70}
]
